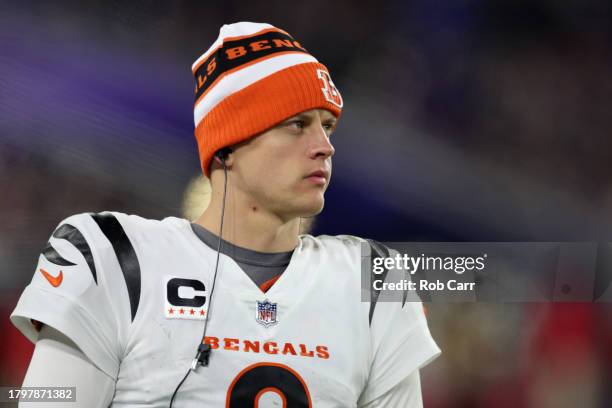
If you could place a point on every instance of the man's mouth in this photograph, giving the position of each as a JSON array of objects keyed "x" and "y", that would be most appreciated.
[{"x": 318, "y": 177}]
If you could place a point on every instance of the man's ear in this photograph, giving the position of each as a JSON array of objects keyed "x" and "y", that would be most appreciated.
[{"x": 224, "y": 155}]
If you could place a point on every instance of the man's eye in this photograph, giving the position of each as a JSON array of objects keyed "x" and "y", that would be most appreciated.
[
  {"x": 329, "y": 127},
  {"x": 298, "y": 124}
]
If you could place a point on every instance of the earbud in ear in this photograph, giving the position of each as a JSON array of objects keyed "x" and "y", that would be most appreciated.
[{"x": 223, "y": 153}]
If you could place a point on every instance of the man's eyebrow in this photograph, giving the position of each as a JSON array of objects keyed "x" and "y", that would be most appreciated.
[
  {"x": 302, "y": 116},
  {"x": 307, "y": 117},
  {"x": 332, "y": 120}
]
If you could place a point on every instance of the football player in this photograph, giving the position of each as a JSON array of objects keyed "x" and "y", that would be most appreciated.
[{"x": 236, "y": 309}]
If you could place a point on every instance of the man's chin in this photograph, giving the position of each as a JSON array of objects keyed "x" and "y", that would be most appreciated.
[
  {"x": 311, "y": 207},
  {"x": 314, "y": 209}
]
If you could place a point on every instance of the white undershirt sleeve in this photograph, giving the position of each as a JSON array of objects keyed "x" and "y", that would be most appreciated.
[{"x": 58, "y": 362}]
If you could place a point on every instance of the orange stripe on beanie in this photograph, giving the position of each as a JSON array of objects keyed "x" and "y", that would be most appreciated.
[{"x": 253, "y": 77}]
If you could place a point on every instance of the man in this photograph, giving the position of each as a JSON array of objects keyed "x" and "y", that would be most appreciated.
[{"x": 277, "y": 319}]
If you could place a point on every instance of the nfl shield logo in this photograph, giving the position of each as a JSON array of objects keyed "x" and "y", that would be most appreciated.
[{"x": 265, "y": 313}]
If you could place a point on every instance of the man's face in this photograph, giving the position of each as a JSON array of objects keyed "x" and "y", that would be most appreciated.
[{"x": 287, "y": 169}]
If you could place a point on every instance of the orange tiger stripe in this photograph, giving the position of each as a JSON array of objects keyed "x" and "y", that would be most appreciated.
[{"x": 268, "y": 284}]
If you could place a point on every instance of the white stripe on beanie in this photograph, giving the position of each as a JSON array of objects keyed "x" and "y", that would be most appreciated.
[{"x": 242, "y": 78}]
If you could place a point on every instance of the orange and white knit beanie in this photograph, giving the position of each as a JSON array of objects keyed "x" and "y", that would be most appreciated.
[{"x": 253, "y": 77}]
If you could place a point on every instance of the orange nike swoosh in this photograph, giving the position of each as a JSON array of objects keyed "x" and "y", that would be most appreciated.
[{"x": 55, "y": 281}]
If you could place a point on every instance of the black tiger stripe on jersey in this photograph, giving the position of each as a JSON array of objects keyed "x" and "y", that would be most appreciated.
[
  {"x": 126, "y": 255},
  {"x": 54, "y": 257},
  {"x": 74, "y": 236},
  {"x": 377, "y": 250}
]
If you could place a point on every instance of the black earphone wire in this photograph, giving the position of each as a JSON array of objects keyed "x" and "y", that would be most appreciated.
[{"x": 203, "y": 353}]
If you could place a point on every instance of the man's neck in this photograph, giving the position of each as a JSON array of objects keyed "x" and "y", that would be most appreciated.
[{"x": 251, "y": 228}]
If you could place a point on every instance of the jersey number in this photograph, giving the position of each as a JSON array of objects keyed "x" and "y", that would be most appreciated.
[{"x": 258, "y": 379}]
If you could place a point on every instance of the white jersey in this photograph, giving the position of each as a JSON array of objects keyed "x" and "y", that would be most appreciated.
[{"x": 133, "y": 294}]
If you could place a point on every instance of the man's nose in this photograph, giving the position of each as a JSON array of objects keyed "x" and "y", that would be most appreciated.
[{"x": 321, "y": 145}]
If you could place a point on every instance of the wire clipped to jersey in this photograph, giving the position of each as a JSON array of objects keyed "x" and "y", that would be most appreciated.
[{"x": 203, "y": 354}]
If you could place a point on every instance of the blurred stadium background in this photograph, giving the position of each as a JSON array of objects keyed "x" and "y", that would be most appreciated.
[{"x": 465, "y": 120}]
